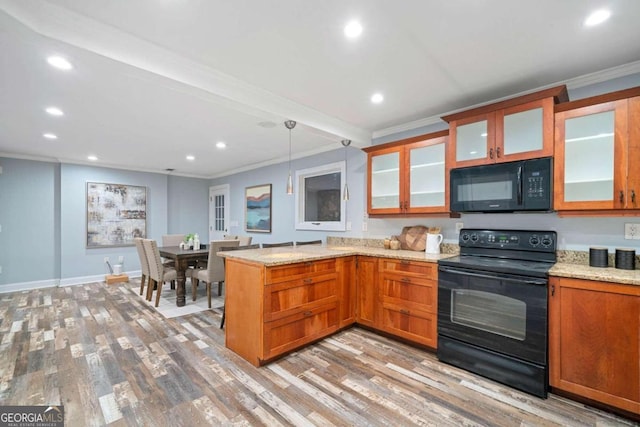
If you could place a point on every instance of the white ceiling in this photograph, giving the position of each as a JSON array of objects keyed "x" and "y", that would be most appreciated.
[{"x": 155, "y": 80}]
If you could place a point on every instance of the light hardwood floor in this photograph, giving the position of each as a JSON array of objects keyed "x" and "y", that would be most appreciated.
[{"x": 111, "y": 359}]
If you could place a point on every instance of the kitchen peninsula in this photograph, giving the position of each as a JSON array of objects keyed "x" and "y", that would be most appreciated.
[{"x": 280, "y": 299}]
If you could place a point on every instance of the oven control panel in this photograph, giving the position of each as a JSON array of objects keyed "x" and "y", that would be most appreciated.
[{"x": 544, "y": 241}]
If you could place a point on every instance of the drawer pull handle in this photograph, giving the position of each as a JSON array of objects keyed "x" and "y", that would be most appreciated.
[
  {"x": 404, "y": 311},
  {"x": 308, "y": 313},
  {"x": 308, "y": 280},
  {"x": 406, "y": 280},
  {"x": 404, "y": 262},
  {"x": 308, "y": 263}
]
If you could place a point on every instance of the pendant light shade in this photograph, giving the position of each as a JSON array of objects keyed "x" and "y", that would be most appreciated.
[
  {"x": 345, "y": 192},
  {"x": 290, "y": 124}
]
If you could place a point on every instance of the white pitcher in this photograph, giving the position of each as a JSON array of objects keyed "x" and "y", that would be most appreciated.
[{"x": 433, "y": 243}]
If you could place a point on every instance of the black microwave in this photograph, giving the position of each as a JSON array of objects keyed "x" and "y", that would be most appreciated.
[{"x": 525, "y": 185}]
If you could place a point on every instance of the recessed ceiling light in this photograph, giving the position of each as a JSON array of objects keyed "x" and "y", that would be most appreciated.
[
  {"x": 597, "y": 17},
  {"x": 220, "y": 145},
  {"x": 377, "y": 98},
  {"x": 50, "y": 136},
  {"x": 59, "y": 62},
  {"x": 54, "y": 111},
  {"x": 353, "y": 29},
  {"x": 191, "y": 158},
  {"x": 92, "y": 158}
]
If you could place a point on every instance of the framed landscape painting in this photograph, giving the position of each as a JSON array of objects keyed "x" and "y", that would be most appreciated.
[
  {"x": 116, "y": 214},
  {"x": 258, "y": 208}
]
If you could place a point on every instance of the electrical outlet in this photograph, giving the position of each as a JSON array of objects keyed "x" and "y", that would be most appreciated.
[
  {"x": 631, "y": 231},
  {"x": 106, "y": 259},
  {"x": 120, "y": 259},
  {"x": 459, "y": 226}
]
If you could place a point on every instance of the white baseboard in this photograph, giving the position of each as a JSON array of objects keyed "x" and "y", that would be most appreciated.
[
  {"x": 52, "y": 283},
  {"x": 27, "y": 286}
]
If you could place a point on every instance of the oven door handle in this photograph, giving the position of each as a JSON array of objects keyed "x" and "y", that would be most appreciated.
[
  {"x": 491, "y": 276},
  {"x": 520, "y": 184}
]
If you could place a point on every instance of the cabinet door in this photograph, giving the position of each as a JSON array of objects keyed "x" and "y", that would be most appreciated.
[
  {"x": 472, "y": 140},
  {"x": 590, "y": 157},
  {"x": 594, "y": 341},
  {"x": 633, "y": 150},
  {"x": 384, "y": 181},
  {"x": 428, "y": 183},
  {"x": 525, "y": 131},
  {"x": 347, "y": 290},
  {"x": 367, "y": 291}
]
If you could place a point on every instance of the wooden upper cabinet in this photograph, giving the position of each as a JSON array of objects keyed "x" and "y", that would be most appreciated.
[
  {"x": 408, "y": 176},
  {"x": 597, "y": 151},
  {"x": 516, "y": 129}
]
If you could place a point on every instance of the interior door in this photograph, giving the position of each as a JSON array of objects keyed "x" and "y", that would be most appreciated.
[{"x": 218, "y": 211}]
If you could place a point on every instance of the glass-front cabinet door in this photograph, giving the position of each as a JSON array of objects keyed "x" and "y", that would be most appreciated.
[
  {"x": 525, "y": 131},
  {"x": 474, "y": 140},
  {"x": 428, "y": 181},
  {"x": 384, "y": 181},
  {"x": 590, "y": 157}
]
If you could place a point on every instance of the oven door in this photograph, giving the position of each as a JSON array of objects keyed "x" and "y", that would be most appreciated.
[{"x": 501, "y": 312}]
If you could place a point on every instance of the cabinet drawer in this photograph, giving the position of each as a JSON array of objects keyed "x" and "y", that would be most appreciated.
[
  {"x": 414, "y": 325},
  {"x": 293, "y": 331},
  {"x": 300, "y": 269},
  {"x": 287, "y": 298},
  {"x": 412, "y": 293},
  {"x": 428, "y": 270}
]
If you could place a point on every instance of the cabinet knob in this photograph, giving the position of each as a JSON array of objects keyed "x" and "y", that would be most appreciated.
[
  {"x": 405, "y": 280},
  {"x": 308, "y": 280},
  {"x": 491, "y": 153},
  {"x": 307, "y": 313},
  {"x": 633, "y": 196},
  {"x": 404, "y": 311},
  {"x": 498, "y": 152},
  {"x": 621, "y": 196}
]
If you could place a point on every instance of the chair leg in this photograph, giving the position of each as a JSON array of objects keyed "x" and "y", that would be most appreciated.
[
  {"x": 142, "y": 280},
  {"x": 220, "y": 287},
  {"x": 194, "y": 287},
  {"x": 173, "y": 284},
  {"x": 223, "y": 316},
  {"x": 209, "y": 293},
  {"x": 150, "y": 287},
  {"x": 158, "y": 293}
]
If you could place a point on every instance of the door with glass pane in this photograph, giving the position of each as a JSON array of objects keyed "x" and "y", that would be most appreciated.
[
  {"x": 591, "y": 159},
  {"x": 427, "y": 189},
  {"x": 218, "y": 212},
  {"x": 384, "y": 181}
]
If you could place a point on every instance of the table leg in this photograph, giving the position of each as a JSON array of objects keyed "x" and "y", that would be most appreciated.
[{"x": 181, "y": 268}]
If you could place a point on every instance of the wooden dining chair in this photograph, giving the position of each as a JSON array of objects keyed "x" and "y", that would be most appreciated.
[
  {"x": 158, "y": 272},
  {"x": 276, "y": 245},
  {"x": 309, "y": 242},
  {"x": 144, "y": 267},
  {"x": 214, "y": 271},
  {"x": 229, "y": 248}
]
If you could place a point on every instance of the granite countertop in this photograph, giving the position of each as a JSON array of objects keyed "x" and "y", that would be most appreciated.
[
  {"x": 292, "y": 254},
  {"x": 609, "y": 274}
]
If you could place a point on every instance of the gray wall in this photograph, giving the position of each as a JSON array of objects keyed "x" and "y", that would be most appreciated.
[
  {"x": 43, "y": 219},
  {"x": 29, "y": 212},
  {"x": 283, "y": 205}
]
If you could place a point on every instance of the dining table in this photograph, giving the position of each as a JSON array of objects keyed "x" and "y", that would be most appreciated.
[{"x": 183, "y": 258}]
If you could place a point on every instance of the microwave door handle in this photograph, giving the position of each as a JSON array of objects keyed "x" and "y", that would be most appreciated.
[{"x": 520, "y": 184}]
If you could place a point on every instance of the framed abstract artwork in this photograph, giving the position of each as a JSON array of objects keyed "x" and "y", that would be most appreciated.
[
  {"x": 116, "y": 214},
  {"x": 257, "y": 212}
]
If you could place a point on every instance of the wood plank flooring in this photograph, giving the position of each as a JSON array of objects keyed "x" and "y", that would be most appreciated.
[{"x": 110, "y": 359}]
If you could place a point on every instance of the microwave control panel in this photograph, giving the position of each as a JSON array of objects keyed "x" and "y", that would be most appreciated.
[{"x": 537, "y": 183}]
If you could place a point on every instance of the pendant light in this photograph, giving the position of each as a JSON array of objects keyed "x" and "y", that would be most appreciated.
[
  {"x": 345, "y": 192},
  {"x": 290, "y": 124}
]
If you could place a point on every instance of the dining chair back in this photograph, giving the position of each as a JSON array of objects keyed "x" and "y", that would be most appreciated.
[
  {"x": 276, "y": 245},
  {"x": 172, "y": 239},
  {"x": 214, "y": 271},
  {"x": 159, "y": 273},
  {"x": 245, "y": 240},
  {"x": 229, "y": 248},
  {"x": 230, "y": 237},
  {"x": 144, "y": 265},
  {"x": 309, "y": 242}
]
